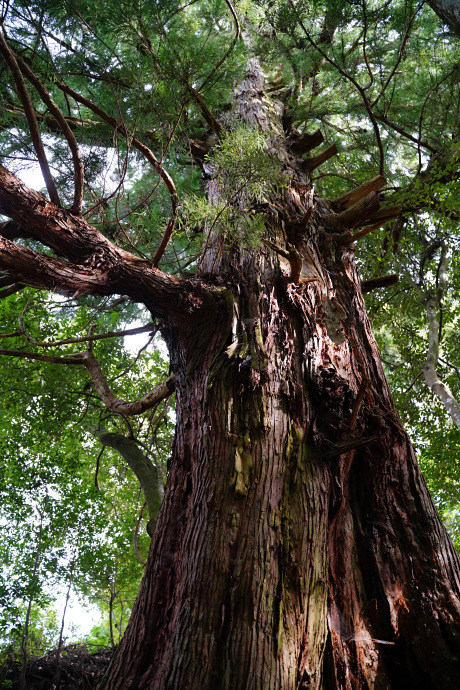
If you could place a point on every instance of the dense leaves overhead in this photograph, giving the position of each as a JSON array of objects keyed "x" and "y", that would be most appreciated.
[{"x": 381, "y": 81}]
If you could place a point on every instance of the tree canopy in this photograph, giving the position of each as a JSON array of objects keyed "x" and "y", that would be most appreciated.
[{"x": 126, "y": 108}]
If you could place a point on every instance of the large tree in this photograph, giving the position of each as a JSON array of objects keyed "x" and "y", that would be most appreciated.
[{"x": 297, "y": 545}]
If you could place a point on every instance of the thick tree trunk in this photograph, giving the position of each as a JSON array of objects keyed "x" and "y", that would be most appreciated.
[{"x": 297, "y": 545}]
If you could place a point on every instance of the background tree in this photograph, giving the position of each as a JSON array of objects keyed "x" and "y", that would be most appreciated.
[{"x": 297, "y": 545}]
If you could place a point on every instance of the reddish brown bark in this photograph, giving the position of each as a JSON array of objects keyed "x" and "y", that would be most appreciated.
[
  {"x": 278, "y": 562},
  {"x": 297, "y": 545}
]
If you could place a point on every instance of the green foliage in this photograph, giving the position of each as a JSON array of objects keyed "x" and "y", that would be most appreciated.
[
  {"x": 243, "y": 165},
  {"x": 245, "y": 173},
  {"x": 52, "y": 514}
]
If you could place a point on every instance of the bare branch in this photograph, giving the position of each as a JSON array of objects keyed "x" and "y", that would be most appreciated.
[
  {"x": 50, "y": 359},
  {"x": 149, "y": 328},
  {"x": 379, "y": 282},
  {"x": 66, "y": 130},
  {"x": 29, "y": 112},
  {"x": 143, "y": 149},
  {"x": 313, "y": 163},
  {"x": 208, "y": 116},
  {"x": 163, "y": 390},
  {"x": 358, "y": 193},
  {"x": 354, "y": 215}
]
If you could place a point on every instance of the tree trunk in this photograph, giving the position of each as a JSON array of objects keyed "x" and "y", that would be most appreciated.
[
  {"x": 449, "y": 12},
  {"x": 297, "y": 545}
]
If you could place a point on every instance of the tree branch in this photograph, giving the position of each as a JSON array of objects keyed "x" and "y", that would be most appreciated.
[
  {"x": 156, "y": 395},
  {"x": 143, "y": 149},
  {"x": 29, "y": 112},
  {"x": 379, "y": 282},
  {"x": 95, "y": 266},
  {"x": 89, "y": 361},
  {"x": 149, "y": 475},
  {"x": 66, "y": 130},
  {"x": 12, "y": 289},
  {"x": 432, "y": 378},
  {"x": 41, "y": 271},
  {"x": 148, "y": 328}
]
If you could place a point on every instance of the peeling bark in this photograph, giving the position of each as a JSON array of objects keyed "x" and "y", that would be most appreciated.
[{"x": 297, "y": 545}]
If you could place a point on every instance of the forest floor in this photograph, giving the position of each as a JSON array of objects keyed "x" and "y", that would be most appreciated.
[{"x": 77, "y": 668}]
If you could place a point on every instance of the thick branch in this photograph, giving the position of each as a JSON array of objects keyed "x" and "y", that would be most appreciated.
[
  {"x": 350, "y": 198},
  {"x": 380, "y": 282},
  {"x": 37, "y": 218},
  {"x": 304, "y": 143},
  {"x": 47, "y": 272},
  {"x": 311, "y": 164},
  {"x": 12, "y": 230},
  {"x": 98, "y": 266},
  {"x": 355, "y": 215}
]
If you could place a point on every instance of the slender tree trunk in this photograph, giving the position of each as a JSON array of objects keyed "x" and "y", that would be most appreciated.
[{"x": 297, "y": 545}]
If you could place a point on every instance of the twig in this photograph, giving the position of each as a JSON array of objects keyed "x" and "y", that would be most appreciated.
[{"x": 98, "y": 462}]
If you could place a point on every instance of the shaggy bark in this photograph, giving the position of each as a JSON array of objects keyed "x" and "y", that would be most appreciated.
[{"x": 297, "y": 545}]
